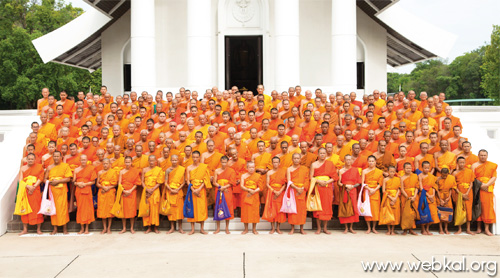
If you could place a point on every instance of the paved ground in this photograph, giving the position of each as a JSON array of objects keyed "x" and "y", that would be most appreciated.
[{"x": 234, "y": 255}]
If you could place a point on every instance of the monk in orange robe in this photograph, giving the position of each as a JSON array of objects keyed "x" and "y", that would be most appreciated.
[
  {"x": 392, "y": 189},
  {"x": 224, "y": 180},
  {"x": 464, "y": 178},
  {"x": 444, "y": 157},
  {"x": 84, "y": 177},
  {"x": 325, "y": 173},
  {"x": 174, "y": 182},
  {"x": 276, "y": 184},
  {"x": 58, "y": 174},
  {"x": 402, "y": 160},
  {"x": 251, "y": 185},
  {"x": 238, "y": 165},
  {"x": 33, "y": 192},
  {"x": 152, "y": 177},
  {"x": 373, "y": 178},
  {"x": 130, "y": 178},
  {"x": 298, "y": 175},
  {"x": 486, "y": 172},
  {"x": 428, "y": 182},
  {"x": 446, "y": 185},
  {"x": 212, "y": 158},
  {"x": 107, "y": 180},
  {"x": 350, "y": 179},
  {"x": 199, "y": 176},
  {"x": 409, "y": 193}
]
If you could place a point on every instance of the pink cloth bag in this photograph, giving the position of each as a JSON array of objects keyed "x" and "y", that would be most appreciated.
[
  {"x": 289, "y": 205},
  {"x": 47, "y": 207}
]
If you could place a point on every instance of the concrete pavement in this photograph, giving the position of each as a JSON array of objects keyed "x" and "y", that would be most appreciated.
[{"x": 234, "y": 255}]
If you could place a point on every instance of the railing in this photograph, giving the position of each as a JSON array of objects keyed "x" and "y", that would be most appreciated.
[{"x": 471, "y": 101}]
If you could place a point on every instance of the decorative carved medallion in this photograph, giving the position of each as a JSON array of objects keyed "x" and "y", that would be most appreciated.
[{"x": 243, "y": 10}]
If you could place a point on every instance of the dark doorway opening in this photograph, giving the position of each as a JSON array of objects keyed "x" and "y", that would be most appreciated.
[
  {"x": 360, "y": 70},
  {"x": 127, "y": 78},
  {"x": 243, "y": 62}
]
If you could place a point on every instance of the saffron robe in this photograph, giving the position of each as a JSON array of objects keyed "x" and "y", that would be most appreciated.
[
  {"x": 60, "y": 192},
  {"x": 429, "y": 184},
  {"x": 373, "y": 179},
  {"x": 105, "y": 200},
  {"x": 34, "y": 199},
  {"x": 328, "y": 169},
  {"x": 198, "y": 176},
  {"x": 84, "y": 200},
  {"x": 175, "y": 180},
  {"x": 129, "y": 179},
  {"x": 464, "y": 179},
  {"x": 484, "y": 173},
  {"x": 227, "y": 176},
  {"x": 300, "y": 178},
  {"x": 250, "y": 205},
  {"x": 151, "y": 178},
  {"x": 350, "y": 176},
  {"x": 276, "y": 181},
  {"x": 391, "y": 189}
]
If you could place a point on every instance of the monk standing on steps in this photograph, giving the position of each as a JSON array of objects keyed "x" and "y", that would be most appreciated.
[
  {"x": 107, "y": 180},
  {"x": 199, "y": 176},
  {"x": 174, "y": 182},
  {"x": 152, "y": 177},
  {"x": 251, "y": 184},
  {"x": 84, "y": 177},
  {"x": 325, "y": 173},
  {"x": 34, "y": 195},
  {"x": 58, "y": 175},
  {"x": 350, "y": 179},
  {"x": 130, "y": 178},
  {"x": 299, "y": 176},
  {"x": 486, "y": 173}
]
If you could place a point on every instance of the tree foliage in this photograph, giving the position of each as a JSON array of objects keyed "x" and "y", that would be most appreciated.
[
  {"x": 21, "y": 68},
  {"x": 491, "y": 66}
]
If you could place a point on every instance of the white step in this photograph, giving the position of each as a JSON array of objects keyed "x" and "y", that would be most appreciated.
[{"x": 236, "y": 225}]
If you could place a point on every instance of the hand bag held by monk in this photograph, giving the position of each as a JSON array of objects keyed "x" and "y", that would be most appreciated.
[
  {"x": 445, "y": 214},
  {"x": 460, "y": 211},
  {"x": 364, "y": 208},
  {"x": 423, "y": 209},
  {"x": 48, "y": 206},
  {"x": 386, "y": 213},
  {"x": 188, "y": 208},
  {"x": 289, "y": 205},
  {"x": 476, "y": 200},
  {"x": 345, "y": 204},
  {"x": 269, "y": 214},
  {"x": 165, "y": 206},
  {"x": 143, "y": 205},
  {"x": 117, "y": 209},
  {"x": 221, "y": 210},
  {"x": 22, "y": 204},
  {"x": 313, "y": 201}
]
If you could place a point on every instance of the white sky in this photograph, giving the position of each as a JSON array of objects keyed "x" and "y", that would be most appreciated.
[{"x": 470, "y": 20}]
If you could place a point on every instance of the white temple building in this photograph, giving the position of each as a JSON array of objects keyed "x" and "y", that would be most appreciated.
[{"x": 336, "y": 45}]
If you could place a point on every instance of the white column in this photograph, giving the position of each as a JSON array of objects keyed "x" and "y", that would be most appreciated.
[
  {"x": 199, "y": 45},
  {"x": 286, "y": 44},
  {"x": 344, "y": 46},
  {"x": 143, "y": 46}
]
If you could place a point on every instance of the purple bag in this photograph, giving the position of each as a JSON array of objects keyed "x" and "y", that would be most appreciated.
[
  {"x": 221, "y": 211},
  {"x": 289, "y": 205}
]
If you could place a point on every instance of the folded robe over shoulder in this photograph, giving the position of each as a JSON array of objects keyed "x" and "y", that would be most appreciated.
[{"x": 34, "y": 199}]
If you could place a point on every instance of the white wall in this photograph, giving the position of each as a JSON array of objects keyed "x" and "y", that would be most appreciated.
[{"x": 113, "y": 42}]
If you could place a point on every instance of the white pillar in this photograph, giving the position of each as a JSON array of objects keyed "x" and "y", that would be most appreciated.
[
  {"x": 286, "y": 44},
  {"x": 199, "y": 45},
  {"x": 344, "y": 76},
  {"x": 143, "y": 46}
]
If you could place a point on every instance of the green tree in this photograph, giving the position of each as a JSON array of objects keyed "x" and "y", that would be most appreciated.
[
  {"x": 431, "y": 76},
  {"x": 466, "y": 76},
  {"x": 23, "y": 72},
  {"x": 490, "y": 69}
]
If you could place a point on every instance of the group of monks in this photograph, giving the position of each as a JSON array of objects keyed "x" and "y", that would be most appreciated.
[{"x": 136, "y": 156}]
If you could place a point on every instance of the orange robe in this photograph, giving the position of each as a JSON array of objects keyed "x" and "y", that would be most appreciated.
[
  {"x": 445, "y": 189},
  {"x": 326, "y": 192},
  {"x": 197, "y": 176},
  {"x": 239, "y": 168},
  {"x": 350, "y": 176},
  {"x": 410, "y": 186},
  {"x": 49, "y": 130},
  {"x": 105, "y": 200},
  {"x": 484, "y": 173},
  {"x": 151, "y": 178},
  {"x": 277, "y": 180},
  {"x": 227, "y": 176},
  {"x": 373, "y": 179},
  {"x": 471, "y": 159},
  {"x": 60, "y": 192},
  {"x": 175, "y": 180},
  {"x": 250, "y": 205},
  {"x": 429, "y": 184},
  {"x": 400, "y": 165},
  {"x": 308, "y": 159},
  {"x": 464, "y": 179},
  {"x": 140, "y": 162},
  {"x": 84, "y": 201},
  {"x": 129, "y": 179},
  {"x": 391, "y": 188},
  {"x": 447, "y": 159},
  {"x": 300, "y": 178},
  {"x": 34, "y": 199}
]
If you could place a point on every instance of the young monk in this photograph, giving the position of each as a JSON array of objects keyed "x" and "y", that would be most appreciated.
[
  {"x": 130, "y": 178},
  {"x": 152, "y": 177},
  {"x": 486, "y": 173},
  {"x": 224, "y": 180},
  {"x": 373, "y": 178},
  {"x": 446, "y": 183},
  {"x": 409, "y": 193},
  {"x": 299, "y": 176},
  {"x": 276, "y": 184},
  {"x": 465, "y": 177},
  {"x": 428, "y": 182},
  {"x": 174, "y": 182},
  {"x": 392, "y": 189},
  {"x": 58, "y": 175},
  {"x": 32, "y": 169},
  {"x": 84, "y": 177},
  {"x": 325, "y": 173},
  {"x": 251, "y": 185},
  {"x": 107, "y": 180},
  {"x": 350, "y": 179},
  {"x": 199, "y": 176}
]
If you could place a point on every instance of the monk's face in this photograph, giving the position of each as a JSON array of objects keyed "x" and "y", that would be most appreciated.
[
  {"x": 261, "y": 146},
  {"x": 322, "y": 154},
  {"x": 223, "y": 163},
  {"x": 31, "y": 160},
  {"x": 251, "y": 168},
  {"x": 356, "y": 149},
  {"x": 392, "y": 172},
  {"x": 284, "y": 148},
  {"x": 83, "y": 160},
  {"x": 57, "y": 157},
  {"x": 106, "y": 164},
  {"x": 443, "y": 145},
  {"x": 152, "y": 161},
  {"x": 348, "y": 160},
  {"x": 381, "y": 146},
  {"x": 371, "y": 162},
  {"x": 51, "y": 147},
  {"x": 303, "y": 147},
  {"x": 138, "y": 150},
  {"x": 128, "y": 163},
  {"x": 276, "y": 163},
  {"x": 483, "y": 156},
  {"x": 402, "y": 151},
  {"x": 210, "y": 146},
  {"x": 426, "y": 168},
  {"x": 461, "y": 164},
  {"x": 466, "y": 147},
  {"x": 175, "y": 160},
  {"x": 424, "y": 148},
  {"x": 196, "y": 158}
]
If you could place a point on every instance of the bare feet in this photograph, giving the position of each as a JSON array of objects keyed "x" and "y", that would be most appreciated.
[
  {"x": 216, "y": 231},
  {"x": 255, "y": 232},
  {"x": 103, "y": 231},
  {"x": 271, "y": 231},
  {"x": 404, "y": 232},
  {"x": 181, "y": 231},
  {"x": 203, "y": 232},
  {"x": 23, "y": 232},
  {"x": 53, "y": 232},
  {"x": 244, "y": 232},
  {"x": 122, "y": 231},
  {"x": 413, "y": 233},
  {"x": 319, "y": 232},
  {"x": 65, "y": 232},
  {"x": 191, "y": 232},
  {"x": 156, "y": 230},
  {"x": 429, "y": 234},
  {"x": 86, "y": 232},
  {"x": 395, "y": 233},
  {"x": 388, "y": 233},
  {"x": 109, "y": 231},
  {"x": 350, "y": 230},
  {"x": 327, "y": 232},
  {"x": 345, "y": 231},
  {"x": 170, "y": 231},
  {"x": 81, "y": 232},
  {"x": 279, "y": 231},
  {"x": 488, "y": 233},
  {"x": 374, "y": 231},
  {"x": 303, "y": 232},
  {"x": 39, "y": 232},
  {"x": 446, "y": 232},
  {"x": 132, "y": 231},
  {"x": 148, "y": 231},
  {"x": 227, "y": 231},
  {"x": 291, "y": 232},
  {"x": 368, "y": 231},
  {"x": 470, "y": 233},
  {"x": 441, "y": 232}
]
